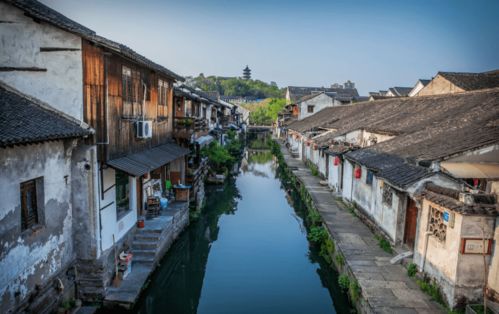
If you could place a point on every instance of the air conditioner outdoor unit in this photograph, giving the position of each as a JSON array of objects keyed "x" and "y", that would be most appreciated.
[{"x": 143, "y": 129}]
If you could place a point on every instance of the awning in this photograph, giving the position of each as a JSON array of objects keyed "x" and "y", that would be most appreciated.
[
  {"x": 204, "y": 140},
  {"x": 141, "y": 163}
]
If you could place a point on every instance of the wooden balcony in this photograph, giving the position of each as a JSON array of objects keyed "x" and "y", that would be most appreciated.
[{"x": 184, "y": 127}]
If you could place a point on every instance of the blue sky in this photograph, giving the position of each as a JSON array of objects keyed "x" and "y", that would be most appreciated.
[{"x": 376, "y": 44}]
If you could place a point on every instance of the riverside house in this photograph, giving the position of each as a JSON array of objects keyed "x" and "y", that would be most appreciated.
[
  {"x": 38, "y": 171},
  {"x": 129, "y": 158},
  {"x": 381, "y": 156}
]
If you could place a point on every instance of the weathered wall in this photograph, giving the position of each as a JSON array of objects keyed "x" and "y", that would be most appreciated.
[
  {"x": 85, "y": 198},
  {"x": 494, "y": 265},
  {"x": 459, "y": 275},
  {"x": 29, "y": 258},
  {"x": 59, "y": 83},
  {"x": 334, "y": 176},
  {"x": 347, "y": 180},
  {"x": 439, "y": 85},
  {"x": 111, "y": 224},
  {"x": 320, "y": 102}
]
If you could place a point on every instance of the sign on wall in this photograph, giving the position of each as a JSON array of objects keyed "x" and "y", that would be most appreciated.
[{"x": 475, "y": 246}]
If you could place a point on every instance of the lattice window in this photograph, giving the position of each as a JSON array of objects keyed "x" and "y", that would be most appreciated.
[
  {"x": 369, "y": 177},
  {"x": 387, "y": 195},
  {"x": 437, "y": 226}
]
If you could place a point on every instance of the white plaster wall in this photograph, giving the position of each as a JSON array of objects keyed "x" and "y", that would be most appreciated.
[
  {"x": 61, "y": 85},
  {"x": 347, "y": 180},
  {"x": 109, "y": 219},
  {"x": 322, "y": 164},
  {"x": 320, "y": 102},
  {"x": 334, "y": 175},
  {"x": 30, "y": 258}
]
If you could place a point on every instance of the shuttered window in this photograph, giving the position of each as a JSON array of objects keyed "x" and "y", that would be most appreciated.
[{"x": 29, "y": 205}]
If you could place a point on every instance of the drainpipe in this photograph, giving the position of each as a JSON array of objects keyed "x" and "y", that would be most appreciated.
[
  {"x": 423, "y": 262},
  {"x": 144, "y": 99}
]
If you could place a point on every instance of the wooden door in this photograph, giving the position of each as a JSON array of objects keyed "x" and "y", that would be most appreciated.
[{"x": 411, "y": 218}]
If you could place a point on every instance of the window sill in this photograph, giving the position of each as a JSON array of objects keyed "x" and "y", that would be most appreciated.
[
  {"x": 32, "y": 231},
  {"x": 121, "y": 214}
]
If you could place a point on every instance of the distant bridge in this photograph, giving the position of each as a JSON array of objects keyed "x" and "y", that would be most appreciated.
[{"x": 259, "y": 128}]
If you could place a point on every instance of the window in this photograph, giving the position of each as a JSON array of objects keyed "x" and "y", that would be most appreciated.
[
  {"x": 369, "y": 177},
  {"x": 132, "y": 92},
  {"x": 437, "y": 226},
  {"x": 30, "y": 205},
  {"x": 387, "y": 195},
  {"x": 126, "y": 77},
  {"x": 310, "y": 109},
  {"x": 122, "y": 193},
  {"x": 162, "y": 98}
]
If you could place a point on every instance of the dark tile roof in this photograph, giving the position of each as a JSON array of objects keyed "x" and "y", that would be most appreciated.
[
  {"x": 146, "y": 161},
  {"x": 25, "y": 120},
  {"x": 427, "y": 127},
  {"x": 41, "y": 12},
  {"x": 298, "y": 92},
  {"x": 393, "y": 169},
  {"x": 424, "y": 82},
  {"x": 400, "y": 91},
  {"x": 449, "y": 199},
  {"x": 473, "y": 81}
]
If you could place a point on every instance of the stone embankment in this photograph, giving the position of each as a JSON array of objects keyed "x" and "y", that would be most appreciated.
[{"x": 384, "y": 288}]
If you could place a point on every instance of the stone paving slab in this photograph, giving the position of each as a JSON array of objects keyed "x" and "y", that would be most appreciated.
[{"x": 386, "y": 288}]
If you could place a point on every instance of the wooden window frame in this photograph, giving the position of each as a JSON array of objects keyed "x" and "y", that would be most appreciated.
[
  {"x": 30, "y": 221},
  {"x": 127, "y": 91},
  {"x": 163, "y": 93},
  {"x": 310, "y": 109},
  {"x": 369, "y": 177},
  {"x": 120, "y": 210}
]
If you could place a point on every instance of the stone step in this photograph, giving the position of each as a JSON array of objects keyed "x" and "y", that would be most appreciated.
[
  {"x": 149, "y": 231},
  {"x": 138, "y": 253},
  {"x": 144, "y": 245},
  {"x": 147, "y": 237},
  {"x": 142, "y": 258}
]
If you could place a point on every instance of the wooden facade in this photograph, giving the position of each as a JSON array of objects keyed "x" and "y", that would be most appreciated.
[{"x": 106, "y": 107}]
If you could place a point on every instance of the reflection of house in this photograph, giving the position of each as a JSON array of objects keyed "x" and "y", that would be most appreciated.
[
  {"x": 380, "y": 155},
  {"x": 36, "y": 227},
  {"x": 458, "y": 82}
]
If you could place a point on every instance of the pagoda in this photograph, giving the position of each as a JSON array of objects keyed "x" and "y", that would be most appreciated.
[{"x": 247, "y": 73}]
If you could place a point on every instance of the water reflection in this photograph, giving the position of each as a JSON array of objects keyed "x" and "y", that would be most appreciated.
[{"x": 247, "y": 253}]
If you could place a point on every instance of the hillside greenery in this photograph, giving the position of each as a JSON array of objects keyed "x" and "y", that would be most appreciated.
[
  {"x": 265, "y": 112},
  {"x": 236, "y": 86}
]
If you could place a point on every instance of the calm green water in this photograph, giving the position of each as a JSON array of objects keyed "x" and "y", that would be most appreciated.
[{"x": 248, "y": 253}]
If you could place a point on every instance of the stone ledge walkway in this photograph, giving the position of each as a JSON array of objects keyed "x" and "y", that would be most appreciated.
[{"x": 386, "y": 288}]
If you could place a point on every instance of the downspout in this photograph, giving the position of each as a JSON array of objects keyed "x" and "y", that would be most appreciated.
[
  {"x": 423, "y": 262},
  {"x": 144, "y": 99}
]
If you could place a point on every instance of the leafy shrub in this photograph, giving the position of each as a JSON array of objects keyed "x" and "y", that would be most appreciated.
[
  {"x": 340, "y": 259},
  {"x": 412, "y": 269},
  {"x": 218, "y": 156},
  {"x": 317, "y": 234},
  {"x": 314, "y": 217},
  {"x": 327, "y": 250},
  {"x": 344, "y": 282},
  {"x": 354, "y": 290},
  {"x": 384, "y": 244},
  {"x": 431, "y": 288}
]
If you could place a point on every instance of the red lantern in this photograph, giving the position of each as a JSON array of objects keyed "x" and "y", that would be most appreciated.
[
  {"x": 308, "y": 144},
  {"x": 316, "y": 146},
  {"x": 337, "y": 161},
  {"x": 357, "y": 173}
]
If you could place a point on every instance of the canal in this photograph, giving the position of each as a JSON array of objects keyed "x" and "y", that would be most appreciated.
[{"x": 247, "y": 253}]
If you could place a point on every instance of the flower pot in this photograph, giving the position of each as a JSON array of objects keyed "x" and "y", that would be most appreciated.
[{"x": 140, "y": 223}]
